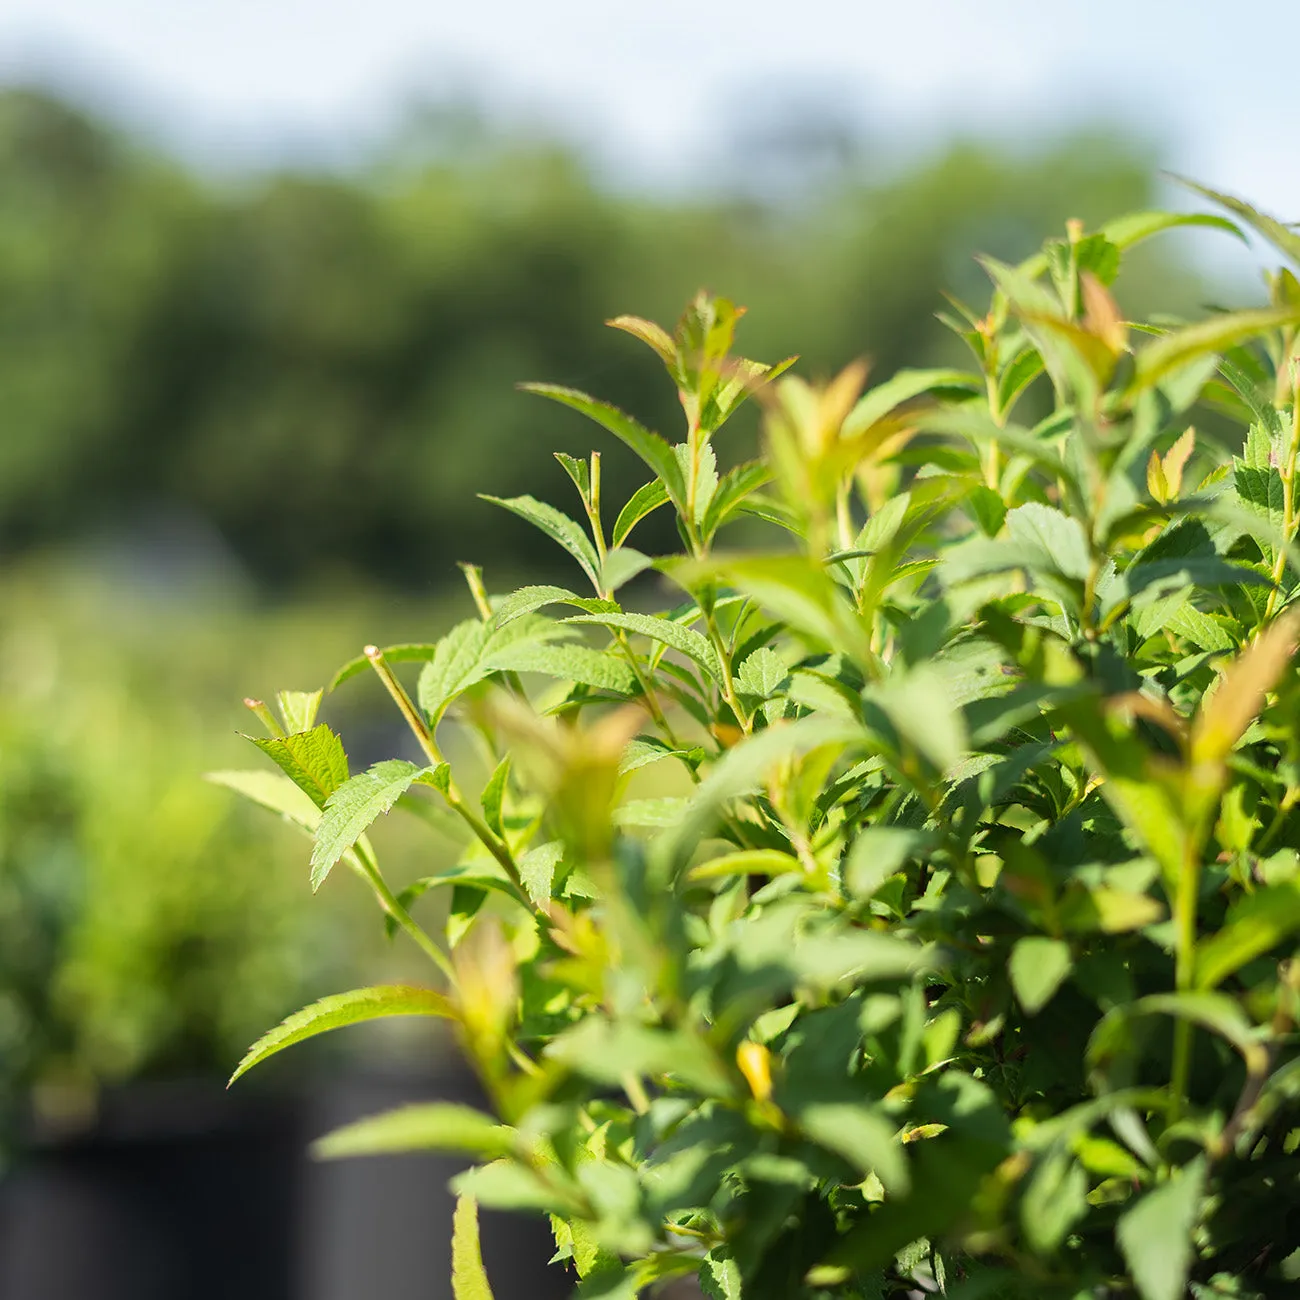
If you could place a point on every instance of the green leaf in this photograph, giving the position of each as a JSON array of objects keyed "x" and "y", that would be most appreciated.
[
  {"x": 875, "y": 404},
  {"x": 1283, "y": 238},
  {"x": 1254, "y": 926},
  {"x": 298, "y": 709},
  {"x": 622, "y": 564},
  {"x": 494, "y": 795},
  {"x": 877, "y": 853},
  {"x": 342, "y": 1009},
  {"x": 412, "y": 652},
  {"x": 647, "y": 498},
  {"x": 472, "y": 651},
  {"x": 537, "y": 871},
  {"x": 1016, "y": 376},
  {"x": 354, "y": 806},
  {"x": 469, "y": 1279},
  {"x": 424, "y": 1126},
  {"x": 1216, "y": 1012},
  {"x": 747, "y": 862},
  {"x": 1037, "y": 968},
  {"x": 508, "y": 1185},
  {"x": 652, "y": 335},
  {"x": 313, "y": 760},
  {"x": 735, "y": 486},
  {"x": 557, "y": 526},
  {"x": 607, "y": 1051},
  {"x": 762, "y": 673},
  {"x": 1155, "y": 1236},
  {"x": 864, "y": 1138},
  {"x": 720, "y": 1276},
  {"x": 1054, "y": 1201},
  {"x": 571, "y": 663},
  {"x": 652, "y": 449},
  {"x": 528, "y": 600},
  {"x": 684, "y": 640},
  {"x": 578, "y": 471},
  {"x": 274, "y": 792},
  {"x": 1174, "y": 350}
]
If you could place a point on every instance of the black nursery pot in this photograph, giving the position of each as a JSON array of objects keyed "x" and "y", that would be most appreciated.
[{"x": 187, "y": 1192}]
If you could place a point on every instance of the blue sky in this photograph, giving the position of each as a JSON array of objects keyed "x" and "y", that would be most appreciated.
[{"x": 240, "y": 81}]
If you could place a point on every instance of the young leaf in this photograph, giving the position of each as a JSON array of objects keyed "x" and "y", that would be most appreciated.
[
  {"x": 622, "y": 564},
  {"x": 863, "y": 1137},
  {"x": 557, "y": 526},
  {"x": 647, "y": 498},
  {"x": 342, "y": 1009},
  {"x": 1254, "y": 926},
  {"x": 424, "y": 1126},
  {"x": 733, "y": 489},
  {"x": 1283, "y": 238},
  {"x": 313, "y": 760},
  {"x": 877, "y": 403},
  {"x": 1155, "y": 1235},
  {"x": 298, "y": 709},
  {"x": 354, "y": 806},
  {"x": 1171, "y": 351},
  {"x": 469, "y": 1279},
  {"x": 494, "y": 795},
  {"x": 652, "y": 335},
  {"x": 537, "y": 871}
]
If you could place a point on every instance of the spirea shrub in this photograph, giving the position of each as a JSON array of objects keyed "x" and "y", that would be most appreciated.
[{"x": 949, "y": 945}]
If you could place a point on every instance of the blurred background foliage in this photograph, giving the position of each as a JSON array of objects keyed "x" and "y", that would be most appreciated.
[{"x": 228, "y": 407}]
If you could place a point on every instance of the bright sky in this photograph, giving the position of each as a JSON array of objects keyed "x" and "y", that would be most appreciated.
[{"x": 235, "y": 81}]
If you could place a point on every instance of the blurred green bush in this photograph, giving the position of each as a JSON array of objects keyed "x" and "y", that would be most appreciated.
[
  {"x": 321, "y": 365},
  {"x": 148, "y": 926}
]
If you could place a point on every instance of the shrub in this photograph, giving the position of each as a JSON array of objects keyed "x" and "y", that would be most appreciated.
[{"x": 946, "y": 944}]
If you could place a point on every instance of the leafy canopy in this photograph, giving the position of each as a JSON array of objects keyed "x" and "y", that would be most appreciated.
[{"x": 947, "y": 942}]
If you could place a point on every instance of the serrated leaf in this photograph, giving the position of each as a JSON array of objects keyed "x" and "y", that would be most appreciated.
[
  {"x": 274, "y": 792},
  {"x": 557, "y": 526},
  {"x": 537, "y": 871},
  {"x": 527, "y": 600},
  {"x": 298, "y": 709},
  {"x": 469, "y": 1280},
  {"x": 313, "y": 760},
  {"x": 762, "y": 673},
  {"x": 647, "y": 498},
  {"x": 1155, "y": 1235},
  {"x": 571, "y": 663},
  {"x": 472, "y": 651},
  {"x": 645, "y": 750},
  {"x": 1037, "y": 968},
  {"x": 424, "y": 1126},
  {"x": 652, "y": 335},
  {"x": 354, "y": 806},
  {"x": 720, "y": 1277},
  {"x": 342, "y": 1009},
  {"x": 684, "y": 640},
  {"x": 652, "y": 449}
]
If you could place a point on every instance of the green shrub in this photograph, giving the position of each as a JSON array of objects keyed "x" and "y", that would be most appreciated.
[
  {"x": 148, "y": 928},
  {"x": 909, "y": 904}
]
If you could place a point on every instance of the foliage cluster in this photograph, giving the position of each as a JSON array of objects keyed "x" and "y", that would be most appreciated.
[
  {"x": 959, "y": 957},
  {"x": 308, "y": 361}
]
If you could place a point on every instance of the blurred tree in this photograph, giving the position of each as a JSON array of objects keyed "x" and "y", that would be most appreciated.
[{"x": 321, "y": 366}]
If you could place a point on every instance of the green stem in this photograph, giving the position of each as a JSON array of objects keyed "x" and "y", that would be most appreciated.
[
  {"x": 1184, "y": 972},
  {"x": 496, "y": 846},
  {"x": 1287, "y": 472},
  {"x": 388, "y": 901}
]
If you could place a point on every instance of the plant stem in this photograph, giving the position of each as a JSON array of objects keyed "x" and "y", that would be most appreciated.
[
  {"x": 496, "y": 846},
  {"x": 1287, "y": 473},
  {"x": 388, "y": 901},
  {"x": 1184, "y": 972}
]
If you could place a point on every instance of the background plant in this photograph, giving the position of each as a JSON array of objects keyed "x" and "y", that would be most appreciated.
[{"x": 910, "y": 903}]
